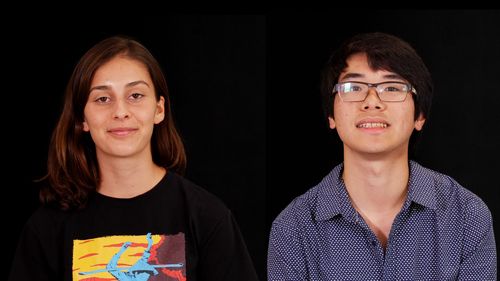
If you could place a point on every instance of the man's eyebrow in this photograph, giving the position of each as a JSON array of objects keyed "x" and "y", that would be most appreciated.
[
  {"x": 351, "y": 75},
  {"x": 393, "y": 76},
  {"x": 129, "y": 85}
]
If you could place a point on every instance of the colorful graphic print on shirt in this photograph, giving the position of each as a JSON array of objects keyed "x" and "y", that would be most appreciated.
[{"x": 130, "y": 257}]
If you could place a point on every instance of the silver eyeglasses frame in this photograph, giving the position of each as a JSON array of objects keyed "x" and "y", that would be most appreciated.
[{"x": 379, "y": 90}]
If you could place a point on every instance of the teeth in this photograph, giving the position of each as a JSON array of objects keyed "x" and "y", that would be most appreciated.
[{"x": 372, "y": 125}]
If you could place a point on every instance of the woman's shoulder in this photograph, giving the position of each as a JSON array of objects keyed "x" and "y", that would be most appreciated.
[
  {"x": 47, "y": 216},
  {"x": 198, "y": 198},
  {"x": 45, "y": 224}
]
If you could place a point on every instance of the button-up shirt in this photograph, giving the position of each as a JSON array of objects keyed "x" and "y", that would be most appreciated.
[{"x": 443, "y": 232}]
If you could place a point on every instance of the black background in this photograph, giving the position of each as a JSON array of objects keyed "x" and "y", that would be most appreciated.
[
  {"x": 215, "y": 68},
  {"x": 245, "y": 92},
  {"x": 462, "y": 136}
]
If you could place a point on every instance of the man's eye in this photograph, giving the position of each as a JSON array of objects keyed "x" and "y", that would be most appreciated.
[
  {"x": 353, "y": 88},
  {"x": 392, "y": 89}
]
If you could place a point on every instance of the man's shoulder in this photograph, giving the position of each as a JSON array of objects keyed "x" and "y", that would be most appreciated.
[
  {"x": 449, "y": 192},
  {"x": 464, "y": 214},
  {"x": 303, "y": 208}
]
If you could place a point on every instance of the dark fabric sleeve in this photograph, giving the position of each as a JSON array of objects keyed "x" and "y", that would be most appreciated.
[
  {"x": 223, "y": 255},
  {"x": 30, "y": 262}
]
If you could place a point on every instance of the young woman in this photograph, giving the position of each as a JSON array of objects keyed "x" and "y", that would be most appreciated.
[{"x": 115, "y": 206}]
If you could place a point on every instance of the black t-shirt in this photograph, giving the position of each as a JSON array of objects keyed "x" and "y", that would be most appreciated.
[{"x": 175, "y": 231}]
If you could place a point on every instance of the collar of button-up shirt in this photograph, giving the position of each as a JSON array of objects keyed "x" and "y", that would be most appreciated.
[{"x": 333, "y": 199}]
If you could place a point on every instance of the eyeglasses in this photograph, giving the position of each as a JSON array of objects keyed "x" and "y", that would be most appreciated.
[{"x": 387, "y": 91}]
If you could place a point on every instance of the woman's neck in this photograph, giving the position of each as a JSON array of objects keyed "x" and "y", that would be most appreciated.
[{"x": 127, "y": 178}]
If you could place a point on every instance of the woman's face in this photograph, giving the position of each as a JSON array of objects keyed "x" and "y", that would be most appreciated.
[{"x": 122, "y": 109}]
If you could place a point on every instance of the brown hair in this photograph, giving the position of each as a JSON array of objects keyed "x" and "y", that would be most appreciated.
[{"x": 72, "y": 166}]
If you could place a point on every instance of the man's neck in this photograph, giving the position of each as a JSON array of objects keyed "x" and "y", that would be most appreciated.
[
  {"x": 377, "y": 188},
  {"x": 376, "y": 185}
]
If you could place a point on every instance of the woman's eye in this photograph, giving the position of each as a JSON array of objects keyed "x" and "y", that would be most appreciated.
[
  {"x": 136, "y": 96},
  {"x": 102, "y": 99}
]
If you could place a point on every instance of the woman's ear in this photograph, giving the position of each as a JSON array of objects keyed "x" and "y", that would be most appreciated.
[
  {"x": 85, "y": 126},
  {"x": 160, "y": 110}
]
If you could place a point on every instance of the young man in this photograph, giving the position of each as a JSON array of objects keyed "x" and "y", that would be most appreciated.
[{"x": 378, "y": 215}]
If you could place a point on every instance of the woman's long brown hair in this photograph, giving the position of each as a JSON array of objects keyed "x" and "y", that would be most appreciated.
[{"x": 72, "y": 168}]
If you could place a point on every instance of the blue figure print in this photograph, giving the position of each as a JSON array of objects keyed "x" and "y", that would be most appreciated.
[{"x": 140, "y": 271}]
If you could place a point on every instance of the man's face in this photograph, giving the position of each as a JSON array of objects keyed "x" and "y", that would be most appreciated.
[{"x": 373, "y": 127}]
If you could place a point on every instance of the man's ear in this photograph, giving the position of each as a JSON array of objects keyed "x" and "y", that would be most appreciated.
[
  {"x": 331, "y": 121},
  {"x": 419, "y": 123}
]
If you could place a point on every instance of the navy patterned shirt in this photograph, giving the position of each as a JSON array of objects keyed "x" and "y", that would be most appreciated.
[{"x": 443, "y": 232}]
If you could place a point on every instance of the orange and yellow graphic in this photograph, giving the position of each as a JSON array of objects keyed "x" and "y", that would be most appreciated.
[{"x": 124, "y": 258}]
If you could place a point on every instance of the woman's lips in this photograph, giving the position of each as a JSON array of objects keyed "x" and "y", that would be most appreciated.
[{"x": 122, "y": 131}]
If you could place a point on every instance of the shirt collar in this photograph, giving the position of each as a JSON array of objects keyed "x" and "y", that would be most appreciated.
[
  {"x": 421, "y": 187},
  {"x": 333, "y": 198}
]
